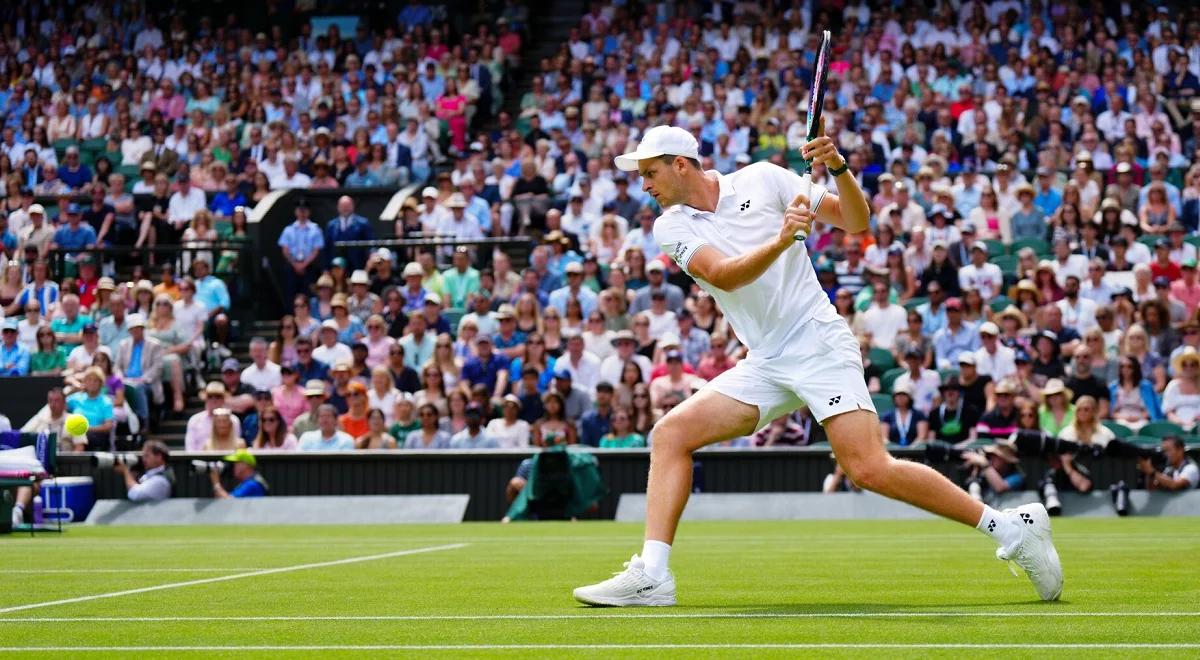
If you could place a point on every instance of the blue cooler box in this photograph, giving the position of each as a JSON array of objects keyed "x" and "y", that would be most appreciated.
[{"x": 68, "y": 499}]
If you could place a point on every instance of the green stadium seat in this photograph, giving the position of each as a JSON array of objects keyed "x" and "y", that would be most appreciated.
[
  {"x": 996, "y": 247},
  {"x": 95, "y": 145},
  {"x": 915, "y": 302},
  {"x": 1194, "y": 240},
  {"x": 763, "y": 154},
  {"x": 60, "y": 146},
  {"x": 883, "y": 403},
  {"x": 1143, "y": 440},
  {"x": 888, "y": 380},
  {"x": 947, "y": 373},
  {"x": 1039, "y": 246},
  {"x": 882, "y": 358},
  {"x": 453, "y": 315},
  {"x": 1006, "y": 262},
  {"x": 130, "y": 172},
  {"x": 1118, "y": 429},
  {"x": 1148, "y": 240},
  {"x": 1161, "y": 429},
  {"x": 999, "y": 303}
]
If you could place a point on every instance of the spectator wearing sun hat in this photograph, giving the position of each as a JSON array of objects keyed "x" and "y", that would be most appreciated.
[{"x": 199, "y": 425}]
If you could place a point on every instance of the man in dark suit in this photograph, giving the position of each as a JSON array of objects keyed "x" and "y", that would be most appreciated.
[
  {"x": 255, "y": 151},
  {"x": 960, "y": 251},
  {"x": 165, "y": 159},
  {"x": 347, "y": 226}
]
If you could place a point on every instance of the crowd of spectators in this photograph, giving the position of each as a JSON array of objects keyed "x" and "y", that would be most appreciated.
[{"x": 1031, "y": 263}]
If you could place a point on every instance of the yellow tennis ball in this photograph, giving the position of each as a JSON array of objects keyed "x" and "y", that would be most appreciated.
[{"x": 76, "y": 424}]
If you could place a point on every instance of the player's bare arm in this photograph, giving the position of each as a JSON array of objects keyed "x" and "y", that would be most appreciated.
[
  {"x": 849, "y": 208},
  {"x": 730, "y": 273}
]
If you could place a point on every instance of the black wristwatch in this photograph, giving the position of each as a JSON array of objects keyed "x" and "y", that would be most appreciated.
[{"x": 839, "y": 171}]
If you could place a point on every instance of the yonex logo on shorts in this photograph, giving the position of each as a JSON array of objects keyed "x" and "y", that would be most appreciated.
[
  {"x": 745, "y": 205},
  {"x": 835, "y": 400}
]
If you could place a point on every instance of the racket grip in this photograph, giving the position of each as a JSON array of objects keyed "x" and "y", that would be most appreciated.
[{"x": 801, "y": 236}]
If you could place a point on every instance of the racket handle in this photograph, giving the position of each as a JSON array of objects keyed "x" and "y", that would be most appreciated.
[{"x": 802, "y": 236}]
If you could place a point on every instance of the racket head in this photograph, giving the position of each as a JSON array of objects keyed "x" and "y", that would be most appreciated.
[{"x": 816, "y": 97}]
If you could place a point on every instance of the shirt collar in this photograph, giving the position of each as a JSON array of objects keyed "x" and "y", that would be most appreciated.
[{"x": 725, "y": 184}]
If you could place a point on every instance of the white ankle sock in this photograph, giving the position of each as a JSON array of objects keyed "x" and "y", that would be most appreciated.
[
  {"x": 656, "y": 554},
  {"x": 1003, "y": 529}
]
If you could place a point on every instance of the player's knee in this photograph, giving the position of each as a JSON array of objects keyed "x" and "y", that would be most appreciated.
[
  {"x": 667, "y": 437},
  {"x": 870, "y": 472}
]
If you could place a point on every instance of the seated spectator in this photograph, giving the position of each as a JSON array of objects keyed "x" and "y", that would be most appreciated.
[
  {"x": 904, "y": 425},
  {"x": 576, "y": 400},
  {"x": 51, "y": 419},
  {"x": 474, "y": 436},
  {"x": 199, "y": 425},
  {"x": 95, "y": 406},
  {"x": 676, "y": 380},
  {"x": 354, "y": 420},
  {"x": 509, "y": 430},
  {"x": 222, "y": 436},
  {"x": 1181, "y": 398},
  {"x": 953, "y": 421},
  {"x": 596, "y": 423},
  {"x": 327, "y": 436},
  {"x": 49, "y": 359},
  {"x": 289, "y": 397},
  {"x": 1057, "y": 412},
  {"x": 1086, "y": 428},
  {"x": 622, "y": 435},
  {"x": 377, "y": 436},
  {"x": 273, "y": 434},
  {"x": 554, "y": 428},
  {"x": 430, "y": 435},
  {"x": 995, "y": 471}
]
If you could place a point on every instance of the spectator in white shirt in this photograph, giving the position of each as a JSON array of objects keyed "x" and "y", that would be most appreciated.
[
  {"x": 291, "y": 177},
  {"x": 883, "y": 320},
  {"x": 1077, "y": 311},
  {"x": 184, "y": 204},
  {"x": 330, "y": 351},
  {"x": 1066, "y": 263},
  {"x": 980, "y": 275},
  {"x": 993, "y": 358},
  {"x": 262, "y": 374}
]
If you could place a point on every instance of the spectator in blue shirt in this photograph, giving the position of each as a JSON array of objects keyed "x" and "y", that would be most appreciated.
[
  {"x": 14, "y": 358},
  {"x": 362, "y": 177},
  {"x": 74, "y": 235},
  {"x": 210, "y": 290},
  {"x": 597, "y": 422},
  {"x": 224, "y": 202},
  {"x": 1047, "y": 198},
  {"x": 487, "y": 368},
  {"x": 956, "y": 338},
  {"x": 250, "y": 483},
  {"x": 72, "y": 172}
]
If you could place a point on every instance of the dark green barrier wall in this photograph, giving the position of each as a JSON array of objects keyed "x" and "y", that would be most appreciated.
[{"x": 483, "y": 475}]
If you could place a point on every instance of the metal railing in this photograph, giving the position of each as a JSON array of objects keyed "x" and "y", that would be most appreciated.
[
  {"x": 516, "y": 247},
  {"x": 232, "y": 261}
]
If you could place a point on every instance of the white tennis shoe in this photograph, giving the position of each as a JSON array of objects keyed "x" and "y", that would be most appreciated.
[
  {"x": 1035, "y": 552},
  {"x": 631, "y": 587}
]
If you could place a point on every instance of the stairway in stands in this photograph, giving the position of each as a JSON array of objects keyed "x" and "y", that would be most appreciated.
[
  {"x": 173, "y": 427},
  {"x": 549, "y": 27}
]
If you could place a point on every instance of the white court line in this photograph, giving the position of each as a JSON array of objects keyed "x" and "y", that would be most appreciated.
[
  {"x": 591, "y": 617},
  {"x": 39, "y": 571},
  {"x": 236, "y": 576},
  {"x": 583, "y": 647}
]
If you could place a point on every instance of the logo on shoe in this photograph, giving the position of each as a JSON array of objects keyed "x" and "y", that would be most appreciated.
[
  {"x": 1027, "y": 518},
  {"x": 992, "y": 525},
  {"x": 645, "y": 589}
]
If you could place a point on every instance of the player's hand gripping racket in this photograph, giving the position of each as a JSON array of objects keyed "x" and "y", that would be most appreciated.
[{"x": 816, "y": 101}]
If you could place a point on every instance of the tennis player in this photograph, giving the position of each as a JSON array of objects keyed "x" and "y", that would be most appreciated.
[{"x": 735, "y": 234}]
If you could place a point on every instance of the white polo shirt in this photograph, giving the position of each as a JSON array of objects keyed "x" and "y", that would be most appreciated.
[
  {"x": 769, "y": 310},
  {"x": 267, "y": 378}
]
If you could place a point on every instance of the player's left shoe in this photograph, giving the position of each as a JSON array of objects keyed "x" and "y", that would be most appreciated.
[
  {"x": 631, "y": 587},
  {"x": 1035, "y": 552}
]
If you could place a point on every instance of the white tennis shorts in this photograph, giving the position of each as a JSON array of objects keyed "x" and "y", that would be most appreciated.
[{"x": 821, "y": 368}]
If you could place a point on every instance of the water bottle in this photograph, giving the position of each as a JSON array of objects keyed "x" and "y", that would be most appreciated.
[
  {"x": 37, "y": 510},
  {"x": 214, "y": 356}
]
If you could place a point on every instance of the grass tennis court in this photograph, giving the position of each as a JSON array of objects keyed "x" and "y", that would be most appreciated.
[{"x": 886, "y": 589}]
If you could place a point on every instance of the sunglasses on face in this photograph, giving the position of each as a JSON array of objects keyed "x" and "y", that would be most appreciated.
[{"x": 270, "y": 419}]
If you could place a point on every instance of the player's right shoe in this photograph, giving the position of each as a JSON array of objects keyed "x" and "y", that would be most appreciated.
[
  {"x": 1035, "y": 552},
  {"x": 631, "y": 587}
]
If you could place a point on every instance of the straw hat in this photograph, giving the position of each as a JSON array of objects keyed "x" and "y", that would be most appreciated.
[
  {"x": 1055, "y": 386},
  {"x": 1004, "y": 449},
  {"x": 1011, "y": 312},
  {"x": 1189, "y": 353}
]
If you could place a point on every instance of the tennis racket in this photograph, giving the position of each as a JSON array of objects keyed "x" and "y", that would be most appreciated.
[{"x": 816, "y": 102}]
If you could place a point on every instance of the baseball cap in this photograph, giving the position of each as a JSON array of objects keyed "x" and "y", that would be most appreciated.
[
  {"x": 954, "y": 303},
  {"x": 37, "y": 208},
  {"x": 563, "y": 373},
  {"x": 655, "y": 264},
  {"x": 231, "y": 364},
  {"x": 660, "y": 141},
  {"x": 989, "y": 328},
  {"x": 429, "y": 191},
  {"x": 1188, "y": 263},
  {"x": 135, "y": 321},
  {"x": 241, "y": 456},
  {"x": 674, "y": 355},
  {"x": 9, "y": 324},
  {"x": 360, "y": 277},
  {"x": 966, "y": 358}
]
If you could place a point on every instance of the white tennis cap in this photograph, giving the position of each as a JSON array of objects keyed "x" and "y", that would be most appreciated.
[{"x": 660, "y": 141}]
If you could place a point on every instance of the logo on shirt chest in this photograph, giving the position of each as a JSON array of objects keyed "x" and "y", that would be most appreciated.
[{"x": 744, "y": 205}]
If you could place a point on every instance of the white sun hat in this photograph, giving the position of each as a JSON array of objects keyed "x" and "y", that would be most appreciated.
[{"x": 660, "y": 141}]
